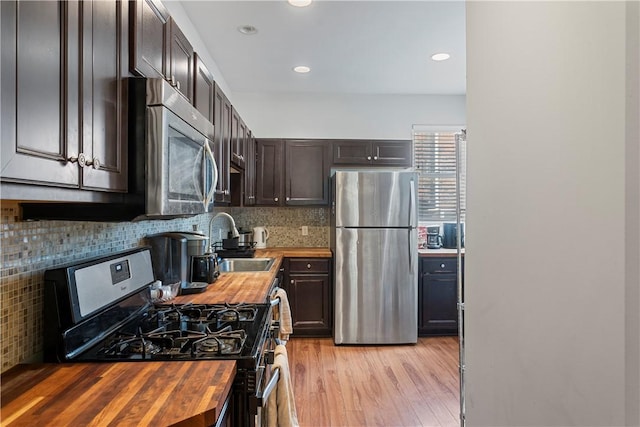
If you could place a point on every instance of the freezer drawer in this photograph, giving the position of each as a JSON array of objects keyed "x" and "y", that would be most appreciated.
[{"x": 375, "y": 286}]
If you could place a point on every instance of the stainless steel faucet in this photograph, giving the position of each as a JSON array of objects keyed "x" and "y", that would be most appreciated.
[{"x": 234, "y": 230}]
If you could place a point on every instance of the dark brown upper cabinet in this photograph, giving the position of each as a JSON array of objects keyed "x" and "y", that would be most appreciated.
[
  {"x": 292, "y": 172},
  {"x": 373, "y": 153},
  {"x": 204, "y": 89},
  {"x": 222, "y": 143},
  {"x": 238, "y": 139},
  {"x": 149, "y": 38},
  {"x": 180, "y": 61},
  {"x": 250, "y": 171},
  {"x": 269, "y": 172},
  {"x": 64, "y": 98},
  {"x": 307, "y": 168},
  {"x": 159, "y": 48},
  {"x": 104, "y": 96}
]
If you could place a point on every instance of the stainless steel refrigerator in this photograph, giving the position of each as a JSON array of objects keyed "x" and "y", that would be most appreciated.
[{"x": 374, "y": 241}]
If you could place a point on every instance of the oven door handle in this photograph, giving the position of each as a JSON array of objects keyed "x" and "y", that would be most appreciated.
[{"x": 268, "y": 389}]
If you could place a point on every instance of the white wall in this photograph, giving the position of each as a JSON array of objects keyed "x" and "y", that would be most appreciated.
[
  {"x": 326, "y": 115},
  {"x": 633, "y": 215},
  {"x": 545, "y": 280}
]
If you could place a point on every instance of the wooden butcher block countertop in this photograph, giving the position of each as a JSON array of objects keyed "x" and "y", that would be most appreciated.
[
  {"x": 171, "y": 393},
  {"x": 251, "y": 287}
]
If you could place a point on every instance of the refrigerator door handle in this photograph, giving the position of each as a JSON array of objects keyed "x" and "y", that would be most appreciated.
[
  {"x": 412, "y": 220},
  {"x": 412, "y": 204}
]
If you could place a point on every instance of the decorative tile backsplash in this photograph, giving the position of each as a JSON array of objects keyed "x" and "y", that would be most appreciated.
[{"x": 28, "y": 248}]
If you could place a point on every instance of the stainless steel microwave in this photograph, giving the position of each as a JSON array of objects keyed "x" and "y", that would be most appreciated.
[{"x": 175, "y": 170}]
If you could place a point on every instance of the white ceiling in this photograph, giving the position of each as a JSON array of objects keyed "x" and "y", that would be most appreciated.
[{"x": 363, "y": 47}]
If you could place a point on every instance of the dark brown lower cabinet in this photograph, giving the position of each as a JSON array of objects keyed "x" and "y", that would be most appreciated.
[
  {"x": 309, "y": 289},
  {"x": 438, "y": 297}
]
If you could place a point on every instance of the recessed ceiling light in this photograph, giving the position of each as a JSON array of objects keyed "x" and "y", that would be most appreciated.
[
  {"x": 440, "y": 56},
  {"x": 247, "y": 29},
  {"x": 301, "y": 69},
  {"x": 299, "y": 3}
]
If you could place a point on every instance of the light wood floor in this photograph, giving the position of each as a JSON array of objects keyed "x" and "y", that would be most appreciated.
[{"x": 400, "y": 385}]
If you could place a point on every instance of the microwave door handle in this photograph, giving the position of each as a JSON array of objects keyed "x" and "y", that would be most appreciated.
[{"x": 214, "y": 176}]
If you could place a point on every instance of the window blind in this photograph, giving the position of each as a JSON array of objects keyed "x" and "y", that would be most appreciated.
[{"x": 435, "y": 160}]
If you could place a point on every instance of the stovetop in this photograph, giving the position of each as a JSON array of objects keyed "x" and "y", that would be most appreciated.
[{"x": 187, "y": 332}]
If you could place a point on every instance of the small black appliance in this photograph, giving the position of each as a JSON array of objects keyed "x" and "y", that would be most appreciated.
[
  {"x": 434, "y": 240},
  {"x": 449, "y": 237}
]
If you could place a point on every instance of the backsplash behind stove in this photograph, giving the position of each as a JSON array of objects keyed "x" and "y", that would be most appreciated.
[{"x": 29, "y": 248}]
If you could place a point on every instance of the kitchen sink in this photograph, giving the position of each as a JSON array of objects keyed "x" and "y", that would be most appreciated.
[{"x": 244, "y": 265}]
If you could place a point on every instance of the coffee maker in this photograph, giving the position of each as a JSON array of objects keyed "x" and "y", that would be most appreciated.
[
  {"x": 183, "y": 257},
  {"x": 434, "y": 240}
]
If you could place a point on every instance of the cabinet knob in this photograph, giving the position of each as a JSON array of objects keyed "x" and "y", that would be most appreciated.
[
  {"x": 288, "y": 198},
  {"x": 308, "y": 265},
  {"x": 275, "y": 199},
  {"x": 441, "y": 265},
  {"x": 292, "y": 281},
  {"x": 375, "y": 157},
  {"x": 368, "y": 157},
  {"x": 93, "y": 162}
]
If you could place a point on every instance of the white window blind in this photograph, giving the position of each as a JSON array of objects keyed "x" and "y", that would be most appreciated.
[{"x": 435, "y": 160}]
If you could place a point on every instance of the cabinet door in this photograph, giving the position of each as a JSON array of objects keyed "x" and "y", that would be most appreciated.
[
  {"x": 310, "y": 299},
  {"x": 309, "y": 288},
  {"x": 40, "y": 128},
  {"x": 437, "y": 299},
  {"x": 238, "y": 137},
  {"x": 354, "y": 152},
  {"x": 250, "y": 171},
  {"x": 180, "y": 61},
  {"x": 222, "y": 143},
  {"x": 269, "y": 172},
  {"x": 392, "y": 153},
  {"x": 150, "y": 35},
  {"x": 203, "y": 90},
  {"x": 104, "y": 69},
  {"x": 306, "y": 172}
]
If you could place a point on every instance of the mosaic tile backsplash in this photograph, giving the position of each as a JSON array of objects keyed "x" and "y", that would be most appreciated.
[{"x": 29, "y": 248}]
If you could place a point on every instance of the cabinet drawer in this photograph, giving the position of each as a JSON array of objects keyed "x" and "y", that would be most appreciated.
[
  {"x": 309, "y": 265},
  {"x": 440, "y": 265}
]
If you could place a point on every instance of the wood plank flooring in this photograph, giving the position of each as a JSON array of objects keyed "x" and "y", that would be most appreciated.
[{"x": 400, "y": 385}]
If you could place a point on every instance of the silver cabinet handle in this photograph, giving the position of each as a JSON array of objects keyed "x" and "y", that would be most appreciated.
[
  {"x": 368, "y": 157},
  {"x": 375, "y": 157},
  {"x": 308, "y": 265},
  {"x": 275, "y": 199},
  {"x": 95, "y": 162},
  {"x": 292, "y": 281},
  {"x": 82, "y": 161},
  {"x": 288, "y": 198},
  {"x": 442, "y": 265}
]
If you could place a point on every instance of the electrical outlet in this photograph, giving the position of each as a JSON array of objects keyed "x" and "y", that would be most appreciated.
[{"x": 305, "y": 230}]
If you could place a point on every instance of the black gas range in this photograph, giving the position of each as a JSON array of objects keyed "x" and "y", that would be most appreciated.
[{"x": 100, "y": 310}]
